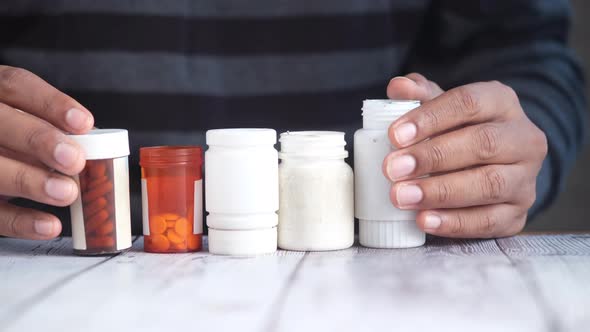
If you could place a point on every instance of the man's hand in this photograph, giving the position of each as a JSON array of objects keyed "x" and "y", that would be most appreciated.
[
  {"x": 481, "y": 152},
  {"x": 33, "y": 118}
]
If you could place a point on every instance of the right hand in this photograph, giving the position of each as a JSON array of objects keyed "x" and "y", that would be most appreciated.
[{"x": 36, "y": 156}]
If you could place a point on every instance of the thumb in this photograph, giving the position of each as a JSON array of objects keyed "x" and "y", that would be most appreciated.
[{"x": 413, "y": 86}]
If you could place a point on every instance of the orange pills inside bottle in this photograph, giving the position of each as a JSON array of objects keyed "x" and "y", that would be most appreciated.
[{"x": 171, "y": 181}]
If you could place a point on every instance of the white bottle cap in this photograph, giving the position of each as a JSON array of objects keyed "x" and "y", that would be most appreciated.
[
  {"x": 241, "y": 136},
  {"x": 390, "y": 234},
  {"x": 104, "y": 143},
  {"x": 243, "y": 242}
]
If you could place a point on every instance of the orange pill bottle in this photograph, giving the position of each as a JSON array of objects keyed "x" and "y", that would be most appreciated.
[{"x": 172, "y": 198}]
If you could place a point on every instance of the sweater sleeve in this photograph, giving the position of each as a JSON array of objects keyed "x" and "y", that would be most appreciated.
[{"x": 520, "y": 43}]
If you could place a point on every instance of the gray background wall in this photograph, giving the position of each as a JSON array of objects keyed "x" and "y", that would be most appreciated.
[{"x": 572, "y": 209}]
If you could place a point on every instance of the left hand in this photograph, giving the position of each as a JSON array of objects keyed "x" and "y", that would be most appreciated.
[{"x": 483, "y": 156}]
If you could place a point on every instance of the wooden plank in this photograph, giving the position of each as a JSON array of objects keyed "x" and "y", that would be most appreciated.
[
  {"x": 447, "y": 285},
  {"x": 30, "y": 270},
  {"x": 159, "y": 292},
  {"x": 558, "y": 268}
]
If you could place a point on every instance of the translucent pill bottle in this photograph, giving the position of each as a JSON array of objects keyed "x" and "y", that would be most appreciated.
[
  {"x": 381, "y": 224},
  {"x": 101, "y": 220},
  {"x": 172, "y": 198},
  {"x": 316, "y": 192},
  {"x": 241, "y": 191}
]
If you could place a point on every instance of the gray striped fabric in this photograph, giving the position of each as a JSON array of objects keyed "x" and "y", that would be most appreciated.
[
  {"x": 208, "y": 8},
  {"x": 210, "y": 75}
]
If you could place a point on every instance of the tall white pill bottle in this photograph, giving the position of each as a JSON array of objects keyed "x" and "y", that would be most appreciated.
[
  {"x": 242, "y": 191},
  {"x": 381, "y": 224}
]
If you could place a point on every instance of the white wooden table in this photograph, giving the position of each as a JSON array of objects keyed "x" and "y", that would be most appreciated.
[{"x": 525, "y": 283}]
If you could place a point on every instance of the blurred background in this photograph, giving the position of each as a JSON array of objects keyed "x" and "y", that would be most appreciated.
[{"x": 572, "y": 209}]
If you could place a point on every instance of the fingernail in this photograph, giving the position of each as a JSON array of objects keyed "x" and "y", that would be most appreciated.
[
  {"x": 59, "y": 189},
  {"x": 44, "y": 227},
  {"x": 66, "y": 154},
  {"x": 402, "y": 77},
  {"x": 405, "y": 133},
  {"x": 77, "y": 119},
  {"x": 432, "y": 221},
  {"x": 409, "y": 194},
  {"x": 401, "y": 166}
]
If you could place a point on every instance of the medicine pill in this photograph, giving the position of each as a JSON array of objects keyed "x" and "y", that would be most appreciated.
[
  {"x": 158, "y": 243},
  {"x": 172, "y": 198},
  {"x": 101, "y": 222}
]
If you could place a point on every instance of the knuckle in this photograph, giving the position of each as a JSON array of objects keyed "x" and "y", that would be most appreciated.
[
  {"x": 444, "y": 193},
  {"x": 487, "y": 142},
  {"x": 14, "y": 225},
  {"x": 519, "y": 224},
  {"x": 493, "y": 184},
  {"x": 37, "y": 137},
  {"x": 436, "y": 157},
  {"x": 540, "y": 141},
  {"x": 516, "y": 225},
  {"x": 465, "y": 102},
  {"x": 509, "y": 97},
  {"x": 56, "y": 98},
  {"x": 530, "y": 196},
  {"x": 13, "y": 221},
  {"x": 488, "y": 224},
  {"x": 20, "y": 181},
  {"x": 10, "y": 78},
  {"x": 431, "y": 119},
  {"x": 459, "y": 224},
  {"x": 509, "y": 94}
]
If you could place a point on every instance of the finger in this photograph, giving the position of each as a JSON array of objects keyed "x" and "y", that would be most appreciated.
[
  {"x": 27, "y": 223},
  {"x": 484, "y": 185},
  {"x": 412, "y": 87},
  {"x": 474, "y": 222},
  {"x": 21, "y": 180},
  {"x": 27, "y": 159},
  {"x": 489, "y": 143},
  {"x": 23, "y": 133},
  {"x": 26, "y": 91},
  {"x": 465, "y": 105}
]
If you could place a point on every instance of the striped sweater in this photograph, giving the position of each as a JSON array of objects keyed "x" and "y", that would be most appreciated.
[{"x": 170, "y": 69}]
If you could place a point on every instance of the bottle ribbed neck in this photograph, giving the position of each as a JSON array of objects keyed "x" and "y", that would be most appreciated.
[
  {"x": 170, "y": 155},
  {"x": 380, "y": 113},
  {"x": 312, "y": 144}
]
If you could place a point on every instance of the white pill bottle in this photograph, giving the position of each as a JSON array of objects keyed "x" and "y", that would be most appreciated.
[
  {"x": 242, "y": 191},
  {"x": 316, "y": 192},
  {"x": 381, "y": 224}
]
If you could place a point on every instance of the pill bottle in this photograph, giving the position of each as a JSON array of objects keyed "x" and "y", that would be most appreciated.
[
  {"x": 242, "y": 191},
  {"x": 172, "y": 198},
  {"x": 316, "y": 192},
  {"x": 101, "y": 220},
  {"x": 381, "y": 224}
]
